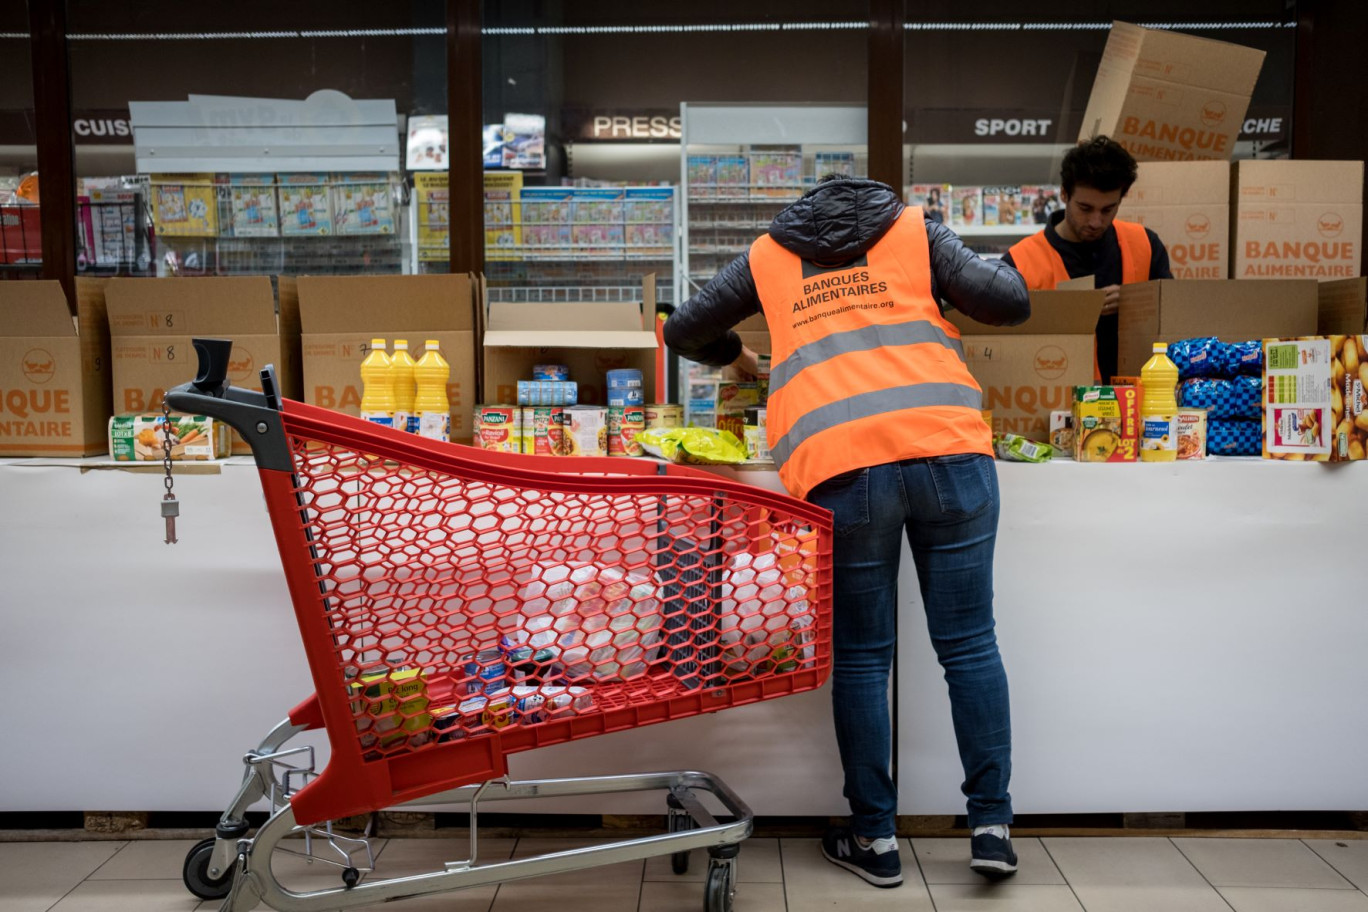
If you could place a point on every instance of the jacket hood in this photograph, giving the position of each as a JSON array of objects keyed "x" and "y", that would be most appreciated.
[{"x": 837, "y": 220}]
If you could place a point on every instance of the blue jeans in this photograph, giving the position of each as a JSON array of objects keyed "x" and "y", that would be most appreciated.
[{"x": 948, "y": 508}]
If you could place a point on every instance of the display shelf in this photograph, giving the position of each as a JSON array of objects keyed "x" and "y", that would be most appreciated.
[{"x": 996, "y": 230}]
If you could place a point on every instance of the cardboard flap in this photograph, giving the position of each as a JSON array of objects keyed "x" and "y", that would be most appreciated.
[
  {"x": 408, "y": 303},
  {"x": 221, "y": 305},
  {"x": 1343, "y": 307},
  {"x": 34, "y": 308},
  {"x": 587, "y": 324},
  {"x": 1189, "y": 60},
  {"x": 1052, "y": 313}
]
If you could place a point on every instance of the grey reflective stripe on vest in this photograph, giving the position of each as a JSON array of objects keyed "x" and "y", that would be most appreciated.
[
  {"x": 866, "y": 338},
  {"x": 866, "y": 405}
]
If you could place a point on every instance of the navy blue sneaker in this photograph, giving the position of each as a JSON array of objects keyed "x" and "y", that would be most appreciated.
[
  {"x": 878, "y": 863},
  {"x": 992, "y": 851}
]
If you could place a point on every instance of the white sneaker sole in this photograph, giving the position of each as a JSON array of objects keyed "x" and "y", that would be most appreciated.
[
  {"x": 992, "y": 869},
  {"x": 876, "y": 880}
]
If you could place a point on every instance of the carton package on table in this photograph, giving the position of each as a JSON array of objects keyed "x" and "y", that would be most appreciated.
[
  {"x": 339, "y": 315},
  {"x": 1028, "y": 371},
  {"x": 54, "y": 370},
  {"x": 1106, "y": 423},
  {"x": 1316, "y": 398},
  {"x": 1298, "y": 220},
  {"x": 141, "y": 438},
  {"x": 152, "y": 322},
  {"x": 1188, "y": 205},
  {"x": 1167, "y": 96}
]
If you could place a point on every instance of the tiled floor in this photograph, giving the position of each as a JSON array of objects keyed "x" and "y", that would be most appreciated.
[{"x": 1058, "y": 874}]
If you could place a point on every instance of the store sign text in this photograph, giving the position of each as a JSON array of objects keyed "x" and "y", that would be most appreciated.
[
  {"x": 1012, "y": 126},
  {"x": 640, "y": 126},
  {"x": 84, "y": 126}
]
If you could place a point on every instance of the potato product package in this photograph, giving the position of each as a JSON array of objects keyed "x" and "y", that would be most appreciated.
[
  {"x": 694, "y": 446},
  {"x": 1316, "y": 398},
  {"x": 1195, "y": 357},
  {"x": 1239, "y": 397},
  {"x": 1106, "y": 423},
  {"x": 1015, "y": 448},
  {"x": 1192, "y": 433},
  {"x": 1234, "y": 438},
  {"x": 141, "y": 438}
]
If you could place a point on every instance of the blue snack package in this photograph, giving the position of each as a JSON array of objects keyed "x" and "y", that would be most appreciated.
[
  {"x": 1239, "y": 359},
  {"x": 1240, "y": 398},
  {"x": 1235, "y": 438},
  {"x": 1195, "y": 357}
]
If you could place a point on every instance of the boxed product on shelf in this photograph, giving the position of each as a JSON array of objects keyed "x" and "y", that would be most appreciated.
[
  {"x": 362, "y": 203},
  {"x": 152, "y": 322},
  {"x": 433, "y": 199},
  {"x": 1316, "y": 398},
  {"x": 1188, "y": 205},
  {"x": 590, "y": 337},
  {"x": 503, "y": 215},
  {"x": 252, "y": 206},
  {"x": 732, "y": 177},
  {"x": 1234, "y": 311},
  {"x": 934, "y": 200},
  {"x": 776, "y": 173},
  {"x": 1167, "y": 96},
  {"x": 1038, "y": 201},
  {"x": 966, "y": 207},
  {"x": 702, "y": 176},
  {"x": 1028, "y": 371},
  {"x": 842, "y": 163},
  {"x": 55, "y": 372},
  {"x": 1106, "y": 423},
  {"x": 339, "y": 315},
  {"x": 1298, "y": 219},
  {"x": 141, "y": 438},
  {"x": 185, "y": 205}
]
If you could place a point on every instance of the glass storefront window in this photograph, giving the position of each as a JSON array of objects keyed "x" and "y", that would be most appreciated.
[{"x": 21, "y": 245}]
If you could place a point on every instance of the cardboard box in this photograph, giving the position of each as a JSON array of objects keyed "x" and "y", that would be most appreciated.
[
  {"x": 1343, "y": 307},
  {"x": 1316, "y": 398},
  {"x": 152, "y": 322},
  {"x": 1298, "y": 220},
  {"x": 1167, "y": 310},
  {"x": 591, "y": 338},
  {"x": 54, "y": 371},
  {"x": 1167, "y": 96},
  {"x": 1188, "y": 205},
  {"x": 339, "y": 315},
  {"x": 1106, "y": 424},
  {"x": 1029, "y": 371}
]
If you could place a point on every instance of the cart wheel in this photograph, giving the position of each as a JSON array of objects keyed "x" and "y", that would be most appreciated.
[
  {"x": 351, "y": 877},
  {"x": 721, "y": 886},
  {"x": 195, "y": 873},
  {"x": 680, "y": 821}
]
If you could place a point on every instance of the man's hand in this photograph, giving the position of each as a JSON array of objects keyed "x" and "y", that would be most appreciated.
[
  {"x": 1113, "y": 299},
  {"x": 743, "y": 368}
]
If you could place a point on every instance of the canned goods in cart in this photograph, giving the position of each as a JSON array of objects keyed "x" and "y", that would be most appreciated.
[
  {"x": 544, "y": 427},
  {"x": 586, "y": 432},
  {"x": 664, "y": 415},
  {"x": 487, "y": 672},
  {"x": 550, "y": 372},
  {"x": 626, "y": 397},
  {"x": 499, "y": 427},
  {"x": 624, "y": 378},
  {"x": 624, "y": 423}
]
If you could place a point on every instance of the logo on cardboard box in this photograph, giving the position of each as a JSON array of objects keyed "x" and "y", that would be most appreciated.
[
  {"x": 241, "y": 366},
  {"x": 1051, "y": 362},
  {"x": 39, "y": 365},
  {"x": 1213, "y": 113},
  {"x": 1197, "y": 226},
  {"x": 1330, "y": 224}
]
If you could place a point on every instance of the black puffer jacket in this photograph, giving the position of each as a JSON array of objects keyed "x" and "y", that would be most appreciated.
[{"x": 833, "y": 223}]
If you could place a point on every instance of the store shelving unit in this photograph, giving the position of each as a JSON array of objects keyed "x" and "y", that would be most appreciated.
[{"x": 740, "y": 164}]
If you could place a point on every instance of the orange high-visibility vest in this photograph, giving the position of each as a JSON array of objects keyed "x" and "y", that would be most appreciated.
[
  {"x": 865, "y": 371},
  {"x": 1043, "y": 268}
]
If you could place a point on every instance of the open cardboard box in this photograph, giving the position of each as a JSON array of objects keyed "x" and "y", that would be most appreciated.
[
  {"x": 1030, "y": 370},
  {"x": 1167, "y": 96},
  {"x": 339, "y": 315},
  {"x": 152, "y": 322},
  {"x": 54, "y": 371},
  {"x": 1167, "y": 310},
  {"x": 589, "y": 337}
]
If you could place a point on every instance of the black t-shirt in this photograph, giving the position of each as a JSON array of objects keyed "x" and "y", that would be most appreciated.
[{"x": 1102, "y": 259}]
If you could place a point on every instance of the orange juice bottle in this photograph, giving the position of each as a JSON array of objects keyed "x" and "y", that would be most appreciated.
[
  {"x": 401, "y": 369},
  {"x": 377, "y": 386},
  {"x": 1159, "y": 408},
  {"x": 430, "y": 403}
]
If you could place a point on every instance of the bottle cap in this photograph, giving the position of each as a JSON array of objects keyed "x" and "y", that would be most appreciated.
[
  {"x": 401, "y": 345},
  {"x": 378, "y": 343},
  {"x": 1160, "y": 348},
  {"x": 431, "y": 343}
]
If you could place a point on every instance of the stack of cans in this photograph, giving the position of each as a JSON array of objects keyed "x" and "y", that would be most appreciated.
[{"x": 626, "y": 412}]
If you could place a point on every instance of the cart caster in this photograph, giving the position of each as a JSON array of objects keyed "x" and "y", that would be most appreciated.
[
  {"x": 195, "y": 873},
  {"x": 351, "y": 877},
  {"x": 679, "y": 821},
  {"x": 721, "y": 885}
]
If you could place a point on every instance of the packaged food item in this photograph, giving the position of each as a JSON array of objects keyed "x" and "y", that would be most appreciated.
[
  {"x": 1061, "y": 432},
  {"x": 544, "y": 431},
  {"x": 1195, "y": 357},
  {"x": 550, "y": 372},
  {"x": 664, "y": 415},
  {"x": 1234, "y": 438},
  {"x": 1192, "y": 433},
  {"x": 1236, "y": 359},
  {"x": 141, "y": 438},
  {"x": 1226, "y": 399},
  {"x": 377, "y": 386},
  {"x": 391, "y": 706},
  {"x": 1159, "y": 407},
  {"x": 1106, "y": 423},
  {"x": 625, "y": 422},
  {"x": 694, "y": 446},
  {"x": 586, "y": 430},
  {"x": 1316, "y": 398},
  {"x": 1015, "y": 448},
  {"x": 499, "y": 427},
  {"x": 548, "y": 392}
]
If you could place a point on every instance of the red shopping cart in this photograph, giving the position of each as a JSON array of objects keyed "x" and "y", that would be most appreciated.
[{"x": 458, "y": 605}]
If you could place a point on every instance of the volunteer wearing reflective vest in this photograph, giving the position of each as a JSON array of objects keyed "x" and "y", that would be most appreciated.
[
  {"x": 1087, "y": 239},
  {"x": 873, "y": 414}
]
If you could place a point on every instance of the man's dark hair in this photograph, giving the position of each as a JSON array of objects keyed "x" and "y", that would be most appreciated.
[{"x": 1100, "y": 163}]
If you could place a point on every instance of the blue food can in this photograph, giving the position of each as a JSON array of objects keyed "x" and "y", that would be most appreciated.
[
  {"x": 550, "y": 372},
  {"x": 624, "y": 378}
]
